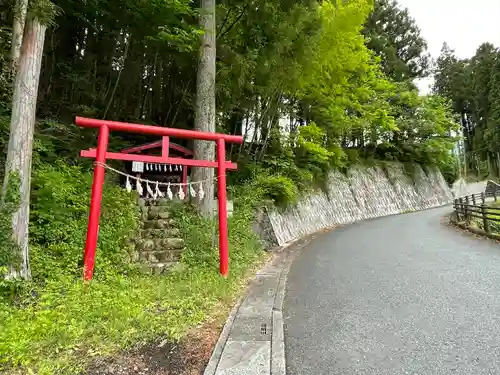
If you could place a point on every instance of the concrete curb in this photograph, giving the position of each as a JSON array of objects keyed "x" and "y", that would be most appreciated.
[
  {"x": 230, "y": 355},
  {"x": 278, "y": 362},
  {"x": 221, "y": 342}
]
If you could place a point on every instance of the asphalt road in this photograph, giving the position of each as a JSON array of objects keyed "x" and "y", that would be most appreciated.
[{"x": 396, "y": 295}]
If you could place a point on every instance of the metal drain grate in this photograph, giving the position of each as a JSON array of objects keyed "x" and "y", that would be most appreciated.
[{"x": 263, "y": 329}]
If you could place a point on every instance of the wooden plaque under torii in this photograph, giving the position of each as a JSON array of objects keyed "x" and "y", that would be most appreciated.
[{"x": 161, "y": 172}]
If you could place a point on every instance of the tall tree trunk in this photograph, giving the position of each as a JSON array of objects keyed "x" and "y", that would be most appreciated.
[
  {"x": 466, "y": 167},
  {"x": 205, "y": 104},
  {"x": 117, "y": 82},
  {"x": 498, "y": 164},
  {"x": 22, "y": 128},
  {"x": 157, "y": 92},
  {"x": 20, "y": 10}
]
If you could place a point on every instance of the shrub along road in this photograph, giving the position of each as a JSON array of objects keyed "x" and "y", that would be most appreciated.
[{"x": 396, "y": 295}]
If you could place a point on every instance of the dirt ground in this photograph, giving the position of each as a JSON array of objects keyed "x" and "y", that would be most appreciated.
[{"x": 187, "y": 357}]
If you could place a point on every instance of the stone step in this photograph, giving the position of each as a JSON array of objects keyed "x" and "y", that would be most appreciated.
[
  {"x": 160, "y": 244},
  {"x": 160, "y": 268},
  {"x": 160, "y": 233},
  {"x": 160, "y": 256},
  {"x": 165, "y": 202},
  {"x": 160, "y": 202},
  {"x": 159, "y": 224},
  {"x": 158, "y": 215},
  {"x": 155, "y": 210}
]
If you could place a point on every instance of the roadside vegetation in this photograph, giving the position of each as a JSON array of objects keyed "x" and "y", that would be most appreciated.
[{"x": 56, "y": 324}]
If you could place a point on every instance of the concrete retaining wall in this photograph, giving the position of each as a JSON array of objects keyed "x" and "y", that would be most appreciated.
[
  {"x": 364, "y": 193},
  {"x": 461, "y": 188}
]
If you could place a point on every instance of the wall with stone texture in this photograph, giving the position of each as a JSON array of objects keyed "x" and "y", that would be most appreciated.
[
  {"x": 160, "y": 245},
  {"x": 461, "y": 188},
  {"x": 363, "y": 193}
]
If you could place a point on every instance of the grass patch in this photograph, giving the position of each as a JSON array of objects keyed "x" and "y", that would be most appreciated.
[
  {"x": 494, "y": 225},
  {"x": 55, "y": 325},
  {"x": 66, "y": 326},
  {"x": 476, "y": 222}
]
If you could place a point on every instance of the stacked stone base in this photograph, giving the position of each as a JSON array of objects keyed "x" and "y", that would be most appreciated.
[{"x": 160, "y": 246}]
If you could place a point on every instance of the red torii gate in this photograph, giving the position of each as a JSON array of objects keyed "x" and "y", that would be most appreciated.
[{"x": 101, "y": 154}]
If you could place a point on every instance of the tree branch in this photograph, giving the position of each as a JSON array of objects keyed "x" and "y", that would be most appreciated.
[
  {"x": 226, "y": 19},
  {"x": 221, "y": 35},
  {"x": 125, "y": 54}
]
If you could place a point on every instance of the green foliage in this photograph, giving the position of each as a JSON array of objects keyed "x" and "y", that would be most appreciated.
[
  {"x": 59, "y": 215},
  {"x": 55, "y": 323},
  {"x": 348, "y": 110},
  {"x": 353, "y": 157},
  {"x": 394, "y": 36},
  {"x": 424, "y": 130},
  {"x": 312, "y": 156},
  {"x": 44, "y": 11},
  {"x": 59, "y": 221},
  {"x": 9, "y": 250},
  {"x": 310, "y": 146},
  {"x": 282, "y": 190},
  {"x": 5, "y": 71},
  {"x": 347, "y": 99},
  {"x": 201, "y": 234},
  {"x": 307, "y": 61},
  {"x": 450, "y": 170},
  {"x": 473, "y": 87}
]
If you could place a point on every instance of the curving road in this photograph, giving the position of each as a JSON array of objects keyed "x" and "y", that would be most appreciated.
[{"x": 392, "y": 296}]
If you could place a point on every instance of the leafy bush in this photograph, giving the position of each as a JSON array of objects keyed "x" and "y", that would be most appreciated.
[
  {"x": 311, "y": 148},
  {"x": 450, "y": 170},
  {"x": 353, "y": 156},
  {"x": 60, "y": 203},
  {"x": 201, "y": 235},
  {"x": 279, "y": 181},
  {"x": 282, "y": 190},
  {"x": 9, "y": 250}
]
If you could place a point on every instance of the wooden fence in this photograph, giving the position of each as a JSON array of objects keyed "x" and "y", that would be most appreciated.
[{"x": 478, "y": 206}]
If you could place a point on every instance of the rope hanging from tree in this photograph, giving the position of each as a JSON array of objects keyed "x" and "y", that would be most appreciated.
[{"x": 195, "y": 189}]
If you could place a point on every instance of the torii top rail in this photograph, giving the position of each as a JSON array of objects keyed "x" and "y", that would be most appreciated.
[{"x": 101, "y": 154}]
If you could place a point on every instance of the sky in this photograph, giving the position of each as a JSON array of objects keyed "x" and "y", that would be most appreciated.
[{"x": 463, "y": 24}]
